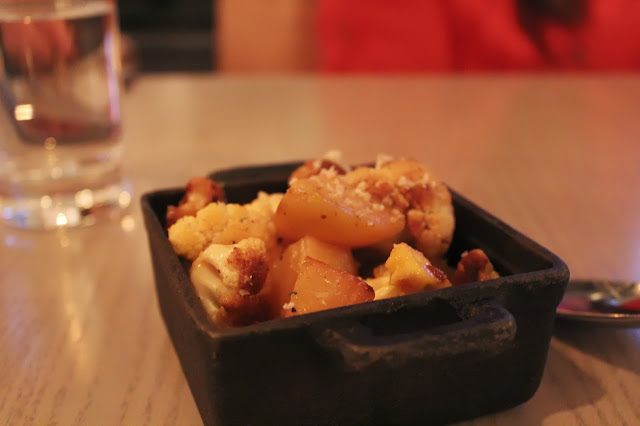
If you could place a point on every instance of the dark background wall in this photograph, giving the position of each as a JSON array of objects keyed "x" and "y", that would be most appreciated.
[{"x": 169, "y": 35}]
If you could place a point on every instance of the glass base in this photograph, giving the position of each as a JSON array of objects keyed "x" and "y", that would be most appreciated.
[{"x": 81, "y": 208}]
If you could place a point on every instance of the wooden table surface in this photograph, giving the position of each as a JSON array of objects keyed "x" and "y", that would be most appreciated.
[{"x": 82, "y": 340}]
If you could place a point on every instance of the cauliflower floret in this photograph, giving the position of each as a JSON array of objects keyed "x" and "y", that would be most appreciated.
[
  {"x": 222, "y": 223},
  {"x": 199, "y": 192},
  {"x": 230, "y": 280},
  {"x": 432, "y": 221},
  {"x": 406, "y": 271},
  {"x": 474, "y": 266}
]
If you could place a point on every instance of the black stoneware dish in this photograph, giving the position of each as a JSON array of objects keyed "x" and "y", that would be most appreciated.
[{"x": 429, "y": 358}]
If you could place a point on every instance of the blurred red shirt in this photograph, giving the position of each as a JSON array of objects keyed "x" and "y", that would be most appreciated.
[{"x": 472, "y": 35}]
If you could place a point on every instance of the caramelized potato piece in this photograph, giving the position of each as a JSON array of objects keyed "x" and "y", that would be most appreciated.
[
  {"x": 406, "y": 271},
  {"x": 319, "y": 287},
  {"x": 335, "y": 215},
  {"x": 285, "y": 271}
]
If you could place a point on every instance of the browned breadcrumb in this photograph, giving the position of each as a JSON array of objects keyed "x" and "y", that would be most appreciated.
[
  {"x": 313, "y": 167},
  {"x": 353, "y": 195}
]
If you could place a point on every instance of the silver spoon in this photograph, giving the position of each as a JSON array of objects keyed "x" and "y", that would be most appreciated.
[{"x": 602, "y": 301}]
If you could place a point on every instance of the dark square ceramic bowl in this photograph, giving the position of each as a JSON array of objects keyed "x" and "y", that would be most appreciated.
[{"x": 429, "y": 358}]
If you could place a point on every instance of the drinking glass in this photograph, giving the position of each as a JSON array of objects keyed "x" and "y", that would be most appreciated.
[{"x": 60, "y": 145}]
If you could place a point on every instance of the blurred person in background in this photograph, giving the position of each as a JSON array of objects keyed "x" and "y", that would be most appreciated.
[
  {"x": 429, "y": 35},
  {"x": 266, "y": 35}
]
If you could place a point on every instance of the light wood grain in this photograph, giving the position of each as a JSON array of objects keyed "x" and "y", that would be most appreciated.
[{"x": 82, "y": 341}]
